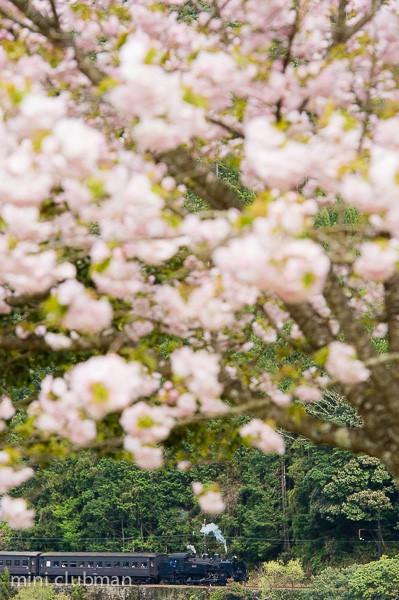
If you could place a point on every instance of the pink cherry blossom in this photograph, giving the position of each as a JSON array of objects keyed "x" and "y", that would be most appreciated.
[
  {"x": 83, "y": 313},
  {"x": 39, "y": 112},
  {"x": 262, "y": 436},
  {"x": 199, "y": 370},
  {"x": 10, "y": 478},
  {"x": 146, "y": 457},
  {"x": 73, "y": 148},
  {"x": 15, "y": 513},
  {"x": 57, "y": 341},
  {"x": 105, "y": 384},
  {"x": 278, "y": 162},
  {"x": 343, "y": 365},
  {"x": 380, "y": 331},
  {"x": 183, "y": 465},
  {"x": 211, "y": 502},
  {"x": 376, "y": 262},
  {"x": 295, "y": 270},
  {"x": 149, "y": 424},
  {"x": 307, "y": 393},
  {"x": 7, "y": 410},
  {"x": 197, "y": 487},
  {"x": 29, "y": 271}
]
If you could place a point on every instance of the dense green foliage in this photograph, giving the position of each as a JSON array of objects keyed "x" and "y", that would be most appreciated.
[
  {"x": 335, "y": 500},
  {"x": 308, "y": 505},
  {"x": 41, "y": 592},
  {"x": 6, "y": 590},
  {"x": 377, "y": 580},
  {"x": 89, "y": 505}
]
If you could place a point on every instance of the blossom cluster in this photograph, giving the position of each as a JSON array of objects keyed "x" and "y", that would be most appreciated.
[
  {"x": 262, "y": 436},
  {"x": 210, "y": 500},
  {"x": 88, "y": 392}
]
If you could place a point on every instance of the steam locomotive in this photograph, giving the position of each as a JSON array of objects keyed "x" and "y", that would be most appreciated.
[{"x": 96, "y": 568}]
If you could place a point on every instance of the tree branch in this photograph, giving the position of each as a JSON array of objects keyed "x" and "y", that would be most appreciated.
[
  {"x": 55, "y": 14},
  {"x": 318, "y": 431},
  {"x": 339, "y": 30},
  {"x": 319, "y": 335},
  {"x": 96, "y": 342},
  {"x": 50, "y": 29},
  {"x": 199, "y": 178},
  {"x": 16, "y": 21},
  {"x": 358, "y": 337},
  {"x": 342, "y": 33},
  {"x": 383, "y": 359},
  {"x": 234, "y": 132},
  {"x": 351, "y": 31},
  {"x": 392, "y": 310},
  {"x": 43, "y": 23},
  {"x": 314, "y": 327}
]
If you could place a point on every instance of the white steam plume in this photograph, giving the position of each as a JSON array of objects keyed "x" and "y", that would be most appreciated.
[{"x": 212, "y": 528}]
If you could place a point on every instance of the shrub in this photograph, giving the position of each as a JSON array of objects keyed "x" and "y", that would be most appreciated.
[
  {"x": 36, "y": 592},
  {"x": 277, "y": 574},
  {"x": 330, "y": 584},
  {"x": 6, "y": 591},
  {"x": 378, "y": 580},
  {"x": 78, "y": 593}
]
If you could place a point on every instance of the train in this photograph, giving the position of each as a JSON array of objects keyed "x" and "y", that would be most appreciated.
[{"x": 127, "y": 568}]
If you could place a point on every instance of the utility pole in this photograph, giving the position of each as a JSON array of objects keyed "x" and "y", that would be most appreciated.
[
  {"x": 284, "y": 511},
  {"x": 379, "y": 536},
  {"x": 380, "y": 540}
]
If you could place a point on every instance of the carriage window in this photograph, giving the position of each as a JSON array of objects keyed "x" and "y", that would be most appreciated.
[
  {"x": 17, "y": 562},
  {"x": 81, "y": 564},
  {"x": 152, "y": 563},
  {"x": 125, "y": 565},
  {"x": 56, "y": 563},
  {"x": 24, "y": 563},
  {"x": 72, "y": 564},
  {"x": 1, "y": 562},
  {"x": 108, "y": 565},
  {"x": 48, "y": 563},
  {"x": 100, "y": 563},
  {"x": 144, "y": 565},
  {"x": 64, "y": 564},
  {"x": 135, "y": 565},
  {"x": 90, "y": 564},
  {"x": 8, "y": 563},
  {"x": 117, "y": 563}
]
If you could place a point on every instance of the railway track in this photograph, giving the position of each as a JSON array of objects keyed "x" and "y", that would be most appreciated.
[{"x": 252, "y": 588}]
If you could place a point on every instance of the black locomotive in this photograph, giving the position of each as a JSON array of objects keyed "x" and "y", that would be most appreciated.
[
  {"x": 182, "y": 568},
  {"x": 123, "y": 567}
]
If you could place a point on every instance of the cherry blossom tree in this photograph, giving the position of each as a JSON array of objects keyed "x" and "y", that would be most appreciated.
[{"x": 112, "y": 113}]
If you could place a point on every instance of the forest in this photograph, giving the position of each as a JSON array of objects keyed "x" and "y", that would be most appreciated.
[
  {"x": 335, "y": 513},
  {"x": 322, "y": 506}
]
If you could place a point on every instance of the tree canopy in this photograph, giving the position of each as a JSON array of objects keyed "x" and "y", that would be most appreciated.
[{"x": 198, "y": 221}]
